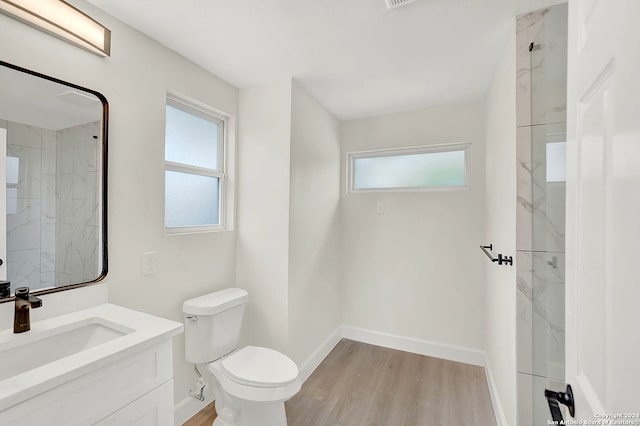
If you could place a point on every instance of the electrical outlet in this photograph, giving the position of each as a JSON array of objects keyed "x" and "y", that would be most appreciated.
[
  {"x": 380, "y": 207},
  {"x": 150, "y": 263}
]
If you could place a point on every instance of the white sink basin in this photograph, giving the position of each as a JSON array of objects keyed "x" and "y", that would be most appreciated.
[
  {"x": 63, "y": 349},
  {"x": 88, "y": 367},
  {"x": 42, "y": 348}
]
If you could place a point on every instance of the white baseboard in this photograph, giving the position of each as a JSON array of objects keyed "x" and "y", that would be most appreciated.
[
  {"x": 501, "y": 419},
  {"x": 188, "y": 407},
  {"x": 417, "y": 346},
  {"x": 314, "y": 360}
]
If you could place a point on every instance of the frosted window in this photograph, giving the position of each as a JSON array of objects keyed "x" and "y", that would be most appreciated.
[
  {"x": 194, "y": 169},
  {"x": 13, "y": 175},
  {"x": 13, "y": 170},
  {"x": 191, "y": 200},
  {"x": 191, "y": 139},
  {"x": 556, "y": 162},
  {"x": 416, "y": 170}
]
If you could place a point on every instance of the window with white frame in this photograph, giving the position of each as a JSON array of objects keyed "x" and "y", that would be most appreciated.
[
  {"x": 194, "y": 168},
  {"x": 409, "y": 169}
]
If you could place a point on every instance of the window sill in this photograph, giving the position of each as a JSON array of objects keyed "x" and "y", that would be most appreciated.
[{"x": 188, "y": 230}]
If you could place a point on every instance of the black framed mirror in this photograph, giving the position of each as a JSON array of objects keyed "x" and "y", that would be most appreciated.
[{"x": 53, "y": 182}]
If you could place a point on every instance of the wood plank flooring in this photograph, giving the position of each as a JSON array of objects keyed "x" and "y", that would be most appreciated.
[{"x": 367, "y": 385}]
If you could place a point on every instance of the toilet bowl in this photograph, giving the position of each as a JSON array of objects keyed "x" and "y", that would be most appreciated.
[{"x": 251, "y": 384}]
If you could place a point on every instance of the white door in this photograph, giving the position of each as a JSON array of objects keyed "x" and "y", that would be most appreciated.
[{"x": 603, "y": 210}]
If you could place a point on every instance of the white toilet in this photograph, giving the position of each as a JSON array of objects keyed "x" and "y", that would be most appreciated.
[{"x": 250, "y": 385}]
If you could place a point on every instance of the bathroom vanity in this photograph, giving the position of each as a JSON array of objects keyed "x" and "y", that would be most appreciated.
[
  {"x": 77, "y": 360},
  {"x": 104, "y": 365}
]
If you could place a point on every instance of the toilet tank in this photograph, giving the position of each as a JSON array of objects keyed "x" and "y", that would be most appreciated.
[{"x": 212, "y": 324}]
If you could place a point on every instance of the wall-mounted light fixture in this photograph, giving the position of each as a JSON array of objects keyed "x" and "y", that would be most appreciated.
[{"x": 62, "y": 20}]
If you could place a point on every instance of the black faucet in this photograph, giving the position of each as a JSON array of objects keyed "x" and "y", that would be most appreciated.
[{"x": 24, "y": 301}]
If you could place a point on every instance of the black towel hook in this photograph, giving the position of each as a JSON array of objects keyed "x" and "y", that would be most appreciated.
[{"x": 507, "y": 260}]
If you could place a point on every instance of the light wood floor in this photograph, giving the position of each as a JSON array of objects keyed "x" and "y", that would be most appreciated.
[{"x": 367, "y": 385}]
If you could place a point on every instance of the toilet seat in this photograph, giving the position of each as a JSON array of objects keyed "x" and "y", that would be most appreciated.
[{"x": 259, "y": 367}]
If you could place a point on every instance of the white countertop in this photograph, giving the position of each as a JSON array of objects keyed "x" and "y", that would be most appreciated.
[{"x": 143, "y": 331}]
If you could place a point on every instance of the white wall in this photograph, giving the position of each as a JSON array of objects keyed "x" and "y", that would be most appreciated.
[
  {"x": 135, "y": 80},
  {"x": 288, "y": 249},
  {"x": 500, "y": 227},
  {"x": 263, "y": 212},
  {"x": 315, "y": 287},
  {"x": 416, "y": 270}
]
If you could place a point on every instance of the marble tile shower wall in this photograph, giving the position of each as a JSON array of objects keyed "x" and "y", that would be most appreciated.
[
  {"x": 77, "y": 231},
  {"x": 40, "y": 203},
  {"x": 540, "y": 228},
  {"x": 30, "y": 205}
]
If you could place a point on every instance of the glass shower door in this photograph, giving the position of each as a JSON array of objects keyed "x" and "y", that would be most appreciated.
[{"x": 548, "y": 54}]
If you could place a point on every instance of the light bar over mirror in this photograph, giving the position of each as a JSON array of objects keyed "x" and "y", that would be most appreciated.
[{"x": 62, "y": 20}]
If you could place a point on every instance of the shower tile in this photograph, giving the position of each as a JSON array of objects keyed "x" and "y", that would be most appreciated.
[
  {"x": 549, "y": 69},
  {"x": 524, "y": 309},
  {"x": 23, "y": 227},
  {"x": 24, "y": 135},
  {"x": 29, "y": 166},
  {"x": 77, "y": 228},
  {"x": 64, "y": 208},
  {"x": 48, "y": 152},
  {"x": 47, "y": 279},
  {"x": 48, "y": 247},
  {"x": 547, "y": 196},
  {"x": 23, "y": 266},
  {"x": 63, "y": 249},
  {"x": 91, "y": 216},
  {"x": 527, "y": 28},
  {"x": 64, "y": 151},
  {"x": 48, "y": 200},
  {"x": 540, "y": 313},
  {"x": 63, "y": 278},
  {"x": 548, "y": 332},
  {"x": 90, "y": 253},
  {"x": 544, "y": 101},
  {"x": 524, "y": 207},
  {"x": 533, "y": 409},
  {"x": 79, "y": 185},
  {"x": 525, "y": 399}
]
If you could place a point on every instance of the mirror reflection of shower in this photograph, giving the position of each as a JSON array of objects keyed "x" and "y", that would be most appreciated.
[
  {"x": 52, "y": 151},
  {"x": 51, "y": 216}
]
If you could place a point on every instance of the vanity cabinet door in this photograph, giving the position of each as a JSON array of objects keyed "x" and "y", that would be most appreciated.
[
  {"x": 152, "y": 409},
  {"x": 101, "y": 391}
]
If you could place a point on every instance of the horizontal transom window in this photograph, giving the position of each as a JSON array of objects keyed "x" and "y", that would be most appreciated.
[{"x": 409, "y": 169}]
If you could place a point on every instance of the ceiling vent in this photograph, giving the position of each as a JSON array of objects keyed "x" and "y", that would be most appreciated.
[
  {"x": 393, "y": 4},
  {"x": 78, "y": 98}
]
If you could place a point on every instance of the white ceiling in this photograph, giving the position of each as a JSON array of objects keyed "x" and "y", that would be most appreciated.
[
  {"x": 356, "y": 57},
  {"x": 43, "y": 103}
]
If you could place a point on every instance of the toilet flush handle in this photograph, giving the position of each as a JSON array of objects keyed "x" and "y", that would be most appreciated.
[{"x": 191, "y": 318}]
